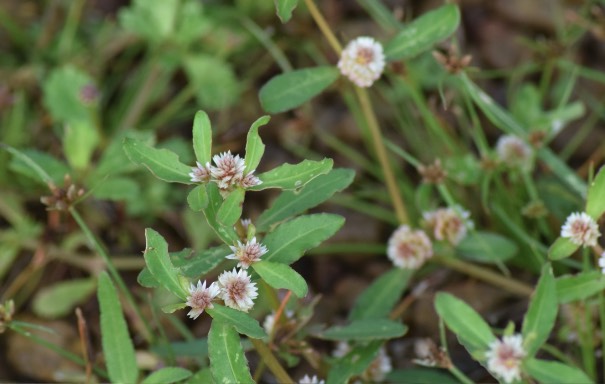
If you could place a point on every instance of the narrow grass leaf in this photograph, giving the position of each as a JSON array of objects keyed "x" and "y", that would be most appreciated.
[
  {"x": 117, "y": 344},
  {"x": 486, "y": 247},
  {"x": 472, "y": 331},
  {"x": 280, "y": 275},
  {"x": 254, "y": 145},
  {"x": 292, "y": 89},
  {"x": 241, "y": 321},
  {"x": 555, "y": 372},
  {"x": 293, "y": 176},
  {"x": 541, "y": 313},
  {"x": 380, "y": 297},
  {"x": 562, "y": 248},
  {"x": 595, "y": 201},
  {"x": 198, "y": 198},
  {"x": 318, "y": 190},
  {"x": 59, "y": 299},
  {"x": 158, "y": 261},
  {"x": 354, "y": 363},
  {"x": 162, "y": 163},
  {"x": 365, "y": 330},
  {"x": 167, "y": 375},
  {"x": 227, "y": 360},
  {"x": 579, "y": 287},
  {"x": 421, "y": 34},
  {"x": 231, "y": 209},
  {"x": 202, "y": 137},
  {"x": 284, "y": 9},
  {"x": 290, "y": 240}
]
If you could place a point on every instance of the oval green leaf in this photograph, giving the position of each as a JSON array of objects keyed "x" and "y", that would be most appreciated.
[
  {"x": 241, "y": 321},
  {"x": 561, "y": 249},
  {"x": 167, "y": 375},
  {"x": 486, "y": 247},
  {"x": 366, "y": 329},
  {"x": 280, "y": 275},
  {"x": 291, "y": 89},
  {"x": 555, "y": 372},
  {"x": 284, "y": 9},
  {"x": 231, "y": 209},
  {"x": 227, "y": 360},
  {"x": 541, "y": 313},
  {"x": 254, "y": 145},
  {"x": 162, "y": 163},
  {"x": 59, "y": 299},
  {"x": 202, "y": 137},
  {"x": 579, "y": 287},
  {"x": 293, "y": 176},
  {"x": 198, "y": 198},
  {"x": 159, "y": 263},
  {"x": 595, "y": 201}
]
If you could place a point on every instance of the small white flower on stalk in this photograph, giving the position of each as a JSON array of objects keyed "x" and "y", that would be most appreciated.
[
  {"x": 362, "y": 61},
  {"x": 201, "y": 297},
  {"x": 514, "y": 152},
  {"x": 310, "y": 380},
  {"x": 449, "y": 224},
  {"x": 200, "y": 174},
  {"x": 581, "y": 229},
  {"x": 227, "y": 170},
  {"x": 247, "y": 253},
  {"x": 236, "y": 289},
  {"x": 504, "y": 357},
  {"x": 409, "y": 248},
  {"x": 602, "y": 262}
]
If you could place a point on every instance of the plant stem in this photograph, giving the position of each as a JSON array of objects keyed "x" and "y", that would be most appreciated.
[
  {"x": 324, "y": 26},
  {"x": 113, "y": 272},
  {"x": 268, "y": 358},
  {"x": 452, "y": 368}
]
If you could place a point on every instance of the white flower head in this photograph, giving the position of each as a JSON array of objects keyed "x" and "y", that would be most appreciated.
[
  {"x": 201, "y": 297},
  {"x": 409, "y": 248},
  {"x": 247, "y": 253},
  {"x": 200, "y": 173},
  {"x": 310, "y": 380},
  {"x": 581, "y": 229},
  {"x": 227, "y": 170},
  {"x": 250, "y": 180},
  {"x": 449, "y": 224},
  {"x": 237, "y": 290},
  {"x": 362, "y": 61},
  {"x": 514, "y": 152},
  {"x": 504, "y": 357}
]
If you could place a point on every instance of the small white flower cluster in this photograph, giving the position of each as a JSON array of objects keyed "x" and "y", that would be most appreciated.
[
  {"x": 409, "y": 248},
  {"x": 505, "y": 356},
  {"x": 378, "y": 368},
  {"x": 362, "y": 61},
  {"x": 227, "y": 172},
  {"x": 247, "y": 253},
  {"x": 514, "y": 152},
  {"x": 310, "y": 380},
  {"x": 450, "y": 224},
  {"x": 581, "y": 229}
]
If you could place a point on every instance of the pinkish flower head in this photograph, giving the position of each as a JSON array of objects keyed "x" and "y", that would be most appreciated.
[
  {"x": 581, "y": 229},
  {"x": 362, "y": 61},
  {"x": 449, "y": 224},
  {"x": 250, "y": 180},
  {"x": 247, "y": 253},
  {"x": 409, "y": 248},
  {"x": 228, "y": 170},
  {"x": 505, "y": 356},
  {"x": 514, "y": 152},
  {"x": 200, "y": 173},
  {"x": 237, "y": 290},
  {"x": 201, "y": 298}
]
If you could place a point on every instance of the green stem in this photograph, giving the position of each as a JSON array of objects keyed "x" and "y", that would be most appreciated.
[
  {"x": 113, "y": 272},
  {"x": 268, "y": 358},
  {"x": 452, "y": 368},
  {"x": 324, "y": 26}
]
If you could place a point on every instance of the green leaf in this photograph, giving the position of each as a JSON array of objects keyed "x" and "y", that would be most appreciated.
[
  {"x": 421, "y": 375},
  {"x": 241, "y": 321},
  {"x": 293, "y": 176},
  {"x": 146, "y": 279},
  {"x": 555, "y": 372},
  {"x": 380, "y": 297},
  {"x": 198, "y": 198},
  {"x": 579, "y": 287},
  {"x": 8, "y": 254},
  {"x": 171, "y": 308},
  {"x": 192, "y": 348},
  {"x": 290, "y": 90},
  {"x": 541, "y": 313},
  {"x": 117, "y": 344},
  {"x": 201, "y": 376},
  {"x": 354, "y": 363},
  {"x": 80, "y": 139},
  {"x": 162, "y": 163},
  {"x": 472, "y": 331},
  {"x": 280, "y": 275},
  {"x": 231, "y": 209},
  {"x": 284, "y": 9},
  {"x": 486, "y": 247},
  {"x": 159, "y": 263},
  {"x": 421, "y": 34},
  {"x": 203, "y": 262},
  {"x": 290, "y": 240},
  {"x": 62, "y": 95},
  {"x": 225, "y": 232},
  {"x": 365, "y": 330},
  {"x": 202, "y": 137},
  {"x": 562, "y": 248},
  {"x": 52, "y": 169},
  {"x": 215, "y": 80},
  {"x": 254, "y": 145},
  {"x": 59, "y": 299},
  {"x": 116, "y": 189},
  {"x": 154, "y": 20},
  {"x": 318, "y": 190},
  {"x": 167, "y": 375},
  {"x": 595, "y": 201},
  {"x": 227, "y": 360}
]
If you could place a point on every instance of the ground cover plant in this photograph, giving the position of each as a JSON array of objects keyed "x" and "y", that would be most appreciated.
[{"x": 300, "y": 191}]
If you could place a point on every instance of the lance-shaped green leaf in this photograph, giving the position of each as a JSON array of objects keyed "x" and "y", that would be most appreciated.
[
  {"x": 318, "y": 190},
  {"x": 472, "y": 331},
  {"x": 198, "y": 198},
  {"x": 202, "y": 137},
  {"x": 579, "y": 287},
  {"x": 280, "y": 275},
  {"x": 227, "y": 360},
  {"x": 541, "y": 313},
  {"x": 203, "y": 262},
  {"x": 59, "y": 299},
  {"x": 421, "y": 34},
  {"x": 241, "y": 321},
  {"x": 365, "y": 330},
  {"x": 293, "y": 238},
  {"x": 167, "y": 375},
  {"x": 215, "y": 200},
  {"x": 562, "y": 248},
  {"x": 162, "y": 163},
  {"x": 293, "y": 176},
  {"x": 555, "y": 372},
  {"x": 595, "y": 201},
  {"x": 354, "y": 363},
  {"x": 284, "y": 9},
  {"x": 291, "y": 89},
  {"x": 382, "y": 295},
  {"x": 231, "y": 209},
  {"x": 117, "y": 344},
  {"x": 254, "y": 145},
  {"x": 486, "y": 247},
  {"x": 159, "y": 263}
]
